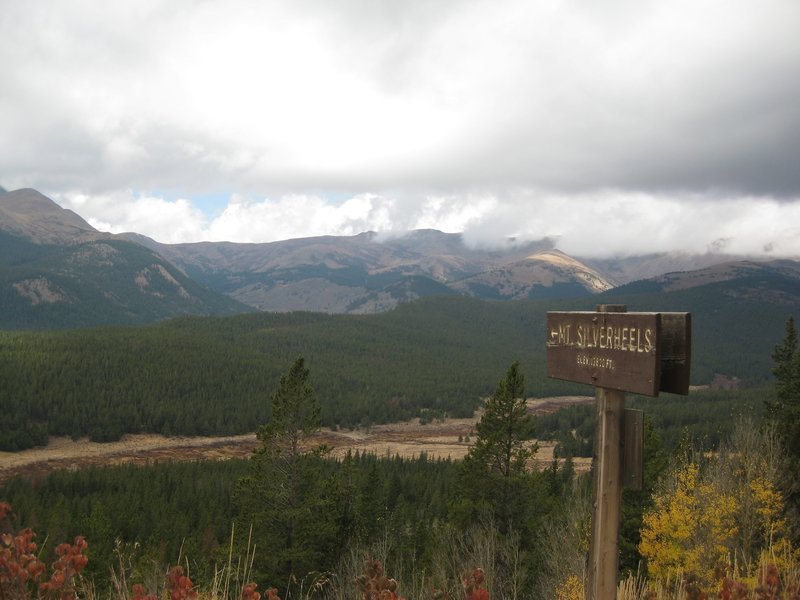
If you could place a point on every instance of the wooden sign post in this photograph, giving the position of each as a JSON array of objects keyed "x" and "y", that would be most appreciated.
[{"x": 617, "y": 352}]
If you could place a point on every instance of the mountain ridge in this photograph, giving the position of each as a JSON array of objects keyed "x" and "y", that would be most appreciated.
[
  {"x": 57, "y": 271},
  {"x": 34, "y": 216},
  {"x": 364, "y": 273}
]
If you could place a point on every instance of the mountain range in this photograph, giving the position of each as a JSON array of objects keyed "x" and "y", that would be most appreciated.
[{"x": 56, "y": 270}]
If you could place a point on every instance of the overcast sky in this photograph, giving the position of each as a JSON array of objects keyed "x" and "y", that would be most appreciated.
[{"x": 613, "y": 127}]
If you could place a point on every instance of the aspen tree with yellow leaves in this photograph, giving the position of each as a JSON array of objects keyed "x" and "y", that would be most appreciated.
[
  {"x": 690, "y": 527},
  {"x": 714, "y": 515}
]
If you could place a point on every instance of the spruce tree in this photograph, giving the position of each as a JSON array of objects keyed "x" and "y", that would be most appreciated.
[
  {"x": 785, "y": 412},
  {"x": 295, "y": 415},
  {"x": 786, "y": 408},
  {"x": 495, "y": 475},
  {"x": 284, "y": 497},
  {"x": 505, "y": 426}
]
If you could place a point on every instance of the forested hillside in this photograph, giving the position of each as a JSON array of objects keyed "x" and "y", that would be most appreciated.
[
  {"x": 107, "y": 503},
  {"x": 704, "y": 418},
  {"x": 440, "y": 355},
  {"x": 291, "y": 519},
  {"x": 301, "y": 515},
  {"x": 95, "y": 282},
  {"x": 203, "y": 376}
]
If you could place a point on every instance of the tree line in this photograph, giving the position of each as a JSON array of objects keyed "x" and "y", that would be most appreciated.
[
  {"x": 296, "y": 512},
  {"x": 301, "y": 508},
  {"x": 207, "y": 375},
  {"x": 705, "y": 418}
]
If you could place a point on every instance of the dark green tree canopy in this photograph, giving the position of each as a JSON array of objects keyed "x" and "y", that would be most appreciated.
[
  {"x": 495, "y": 479},
  {"x": 785, "y": 410},
  {"x": 285, "y": 495},
  {"x": 504, "y": 429},
  {"x": 295, "y": 413}
]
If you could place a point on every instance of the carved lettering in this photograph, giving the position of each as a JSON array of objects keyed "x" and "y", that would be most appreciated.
[
  {"x": 633, "y": 352},
  {"x": 597, "y": 362},
  {"x": 589, "y": 336}
]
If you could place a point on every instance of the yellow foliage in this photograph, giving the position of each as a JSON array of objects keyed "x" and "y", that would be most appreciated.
[
  {"x": 782, "y": 555},
  {"x": 769, "y": 505},
  {"x": 691, "y": 528},
  {"x": 570, "y": 589},
  {"x": 776, "y": 574},
  {"x": 667, "y": 529},
  {"x": 714, "y": 520}
]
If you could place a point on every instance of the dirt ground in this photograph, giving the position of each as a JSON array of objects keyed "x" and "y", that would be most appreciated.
[{"x": 450, "y": 438}]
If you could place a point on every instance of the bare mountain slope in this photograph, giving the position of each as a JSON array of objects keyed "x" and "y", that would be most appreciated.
[
  {"x": 33, "y": 216},
  {"x": 545, "y": 274},
  {"x": 725, "y": 272},
  {"x": 51, "y": 257},
  {"x": 634, "y": 268},
  {"x": 370, "y": 273},
  {"x": 57, "y": 271},
  {"x": 355, "y": 274},
  {"x": 774, "y": 282}
]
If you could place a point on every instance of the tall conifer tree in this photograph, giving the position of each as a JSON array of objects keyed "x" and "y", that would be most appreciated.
[
  {"x": 495, "y": 473},
  {"x": 504, "y": 428},
  {"x": 284, "y": 496},
  {"x": 786, "y": 408},
  {"x": 785, "y": 411}
]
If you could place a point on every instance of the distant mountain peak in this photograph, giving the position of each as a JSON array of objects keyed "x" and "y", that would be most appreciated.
[
  {"x": 56, "y": 257},
  {"x": 726, "y": 271},
  {"x": 556, "y": 257},
  {"x": 32, "y": 215}
]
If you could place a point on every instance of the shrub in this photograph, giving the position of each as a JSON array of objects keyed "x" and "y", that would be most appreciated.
[{"x": 21, "y": 570}]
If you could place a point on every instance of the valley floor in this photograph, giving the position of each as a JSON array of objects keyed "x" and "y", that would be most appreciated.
[{"x": 449, "y": 438}]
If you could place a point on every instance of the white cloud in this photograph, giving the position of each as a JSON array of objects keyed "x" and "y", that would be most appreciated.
[
  {"x": 613, "y": 223},
  {"x": 163, "y": 220},
  {"x": 283, "y": 97},
  {"x": 601, "y": 126},
  {"x": 297, "y": 216},
  {"x": 601, "y": 224}
]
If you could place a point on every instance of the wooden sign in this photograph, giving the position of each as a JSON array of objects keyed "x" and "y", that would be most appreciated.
[
  {"x": 675, "y": 352},
  {"x": 610, "y": 350},
  {"x": 642, "y": 353},
  {"x": 617, "y": 352}
]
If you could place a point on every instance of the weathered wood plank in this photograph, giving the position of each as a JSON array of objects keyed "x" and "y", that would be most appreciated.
[{"x": 610, "y": 350}]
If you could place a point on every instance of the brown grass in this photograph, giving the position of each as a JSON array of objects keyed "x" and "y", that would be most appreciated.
[{"x": 438, "y": 439}]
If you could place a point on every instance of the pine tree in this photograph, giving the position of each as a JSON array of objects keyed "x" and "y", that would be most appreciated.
[
  {"x": 785, "y": 412},
  {"x": 285, "y": 497},
  {"x": 295, "y": 415},
  {"x": 786, "y": 408},
  {"x": 504, "y": 428},
  {"x": 495, "y": 478}
]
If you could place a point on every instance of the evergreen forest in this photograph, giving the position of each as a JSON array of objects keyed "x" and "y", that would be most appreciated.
[
  {"x": 433, "y": 357},
  {"x": 721, "y": 467},
  {"x": 289, "y": 521}
]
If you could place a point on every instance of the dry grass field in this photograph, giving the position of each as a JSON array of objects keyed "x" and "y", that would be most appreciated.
[{"x": 449, "y": 438}]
